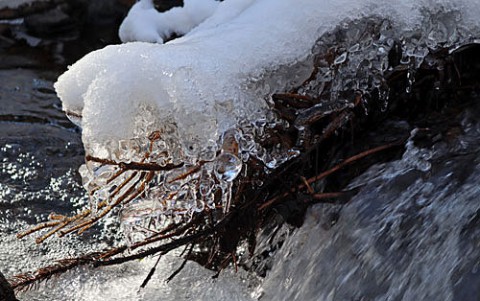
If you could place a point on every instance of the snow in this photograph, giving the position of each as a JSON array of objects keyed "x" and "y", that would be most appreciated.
[
  {"x": 108, "y": 87},
  {"x": 144, "y": 23},
  {"x": 202, "y": 82}
]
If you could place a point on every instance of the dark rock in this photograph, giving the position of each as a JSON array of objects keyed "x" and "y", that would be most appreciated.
[{"x": 164, "y": 5}]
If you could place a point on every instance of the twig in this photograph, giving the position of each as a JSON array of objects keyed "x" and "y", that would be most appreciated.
[
  {"x": 37, "y": 228},
  {"x": 309, "y": 188},
  {"x": 45, "y": 273},
  {"x": 127, "y": 197},
  {"x": 150, "y": 274},
  {"x": 26, "y": 279},
  {"x": 175, "y": 273},
  {"x": 134, "y": 165},
  {"x": 163, "y": 249},
  {"x": 329, "y": 172}
]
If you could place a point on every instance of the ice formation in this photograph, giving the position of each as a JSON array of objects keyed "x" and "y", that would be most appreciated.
[{"x": 196, "y": 105}]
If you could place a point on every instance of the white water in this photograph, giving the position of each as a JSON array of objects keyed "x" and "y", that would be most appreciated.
[{"x": 411, "y": 233}]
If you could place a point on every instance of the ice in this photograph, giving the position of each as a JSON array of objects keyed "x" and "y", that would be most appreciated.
[
  {"x": 227, "y": 167},
  {"x": 174, "y": 81},
  {"x": 122, "y": 94},
  {"x": 199, "y": 105}
]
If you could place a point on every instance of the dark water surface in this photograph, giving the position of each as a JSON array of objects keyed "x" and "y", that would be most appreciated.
[{"x": 40, "y": 149}]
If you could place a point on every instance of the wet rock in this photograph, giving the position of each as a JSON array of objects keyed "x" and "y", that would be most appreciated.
[
  {"x": 22, "y": 8},
  {"x": 51, "y": 22}
]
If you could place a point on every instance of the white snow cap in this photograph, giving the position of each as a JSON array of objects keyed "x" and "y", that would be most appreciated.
[
  {"x": 196, "y": 81},
  {"x": 219, "y": 72},
  {"x": 143, "y": 23}
]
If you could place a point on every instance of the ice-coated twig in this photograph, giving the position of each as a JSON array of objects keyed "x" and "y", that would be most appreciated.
[
  {"x": 38, "y": 227},
  {"x": 27, "y": 279},
  {"x": 145, "y": 166},
  {"x": 125, "y": 198},
  {"x": 84, "y": 220}
]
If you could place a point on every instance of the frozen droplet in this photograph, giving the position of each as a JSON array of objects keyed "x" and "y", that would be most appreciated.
[
  {"x": 341, "y": 59},
  {"x": 405, "y": 60},
  {"x": 209, "y": 151},
  {"x": 206, "y": 186},
  {"x": 272, "y": 163},
  {"x": 227, "y": 167}
]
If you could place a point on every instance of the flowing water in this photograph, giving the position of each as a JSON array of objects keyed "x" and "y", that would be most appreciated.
[{"x": 411, "y": 233}]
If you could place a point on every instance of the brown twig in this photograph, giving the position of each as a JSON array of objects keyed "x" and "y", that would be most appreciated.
[
  {"x": 38, "y": 228},
  {"x": 125, "y": 198},
  {"x": 45, "y": 273},
  {"x": 134, "y": 165},
  {"x": 329, "y": 172},
  {"x": 163, "y": 249},
  {"x": 180, "y": 268}
]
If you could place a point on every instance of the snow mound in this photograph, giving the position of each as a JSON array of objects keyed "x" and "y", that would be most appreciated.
[{"x": 144, "y": 23}]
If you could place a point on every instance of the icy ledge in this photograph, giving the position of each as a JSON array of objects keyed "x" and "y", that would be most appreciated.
[
  {"x": 190, "y": 103},
  {"x": 207, "y": 81}
]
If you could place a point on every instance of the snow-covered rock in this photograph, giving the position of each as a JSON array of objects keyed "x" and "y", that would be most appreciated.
[
  {"x": 200, "y": 83},
  {"x": 218, "y": 79}
]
